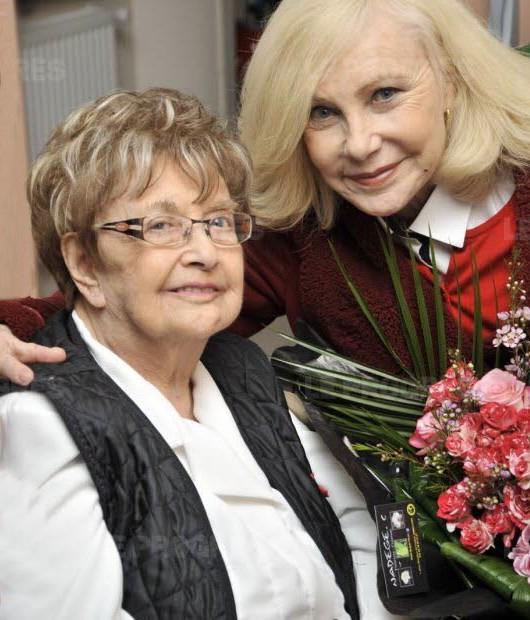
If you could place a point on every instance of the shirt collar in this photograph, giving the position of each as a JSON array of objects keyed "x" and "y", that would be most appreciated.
[
  {"x": 447, "y": 219},
  {"x": 160, "y": 412},
  {"x": 220, "y": 462},
  {"x": 443, "y": 218}
]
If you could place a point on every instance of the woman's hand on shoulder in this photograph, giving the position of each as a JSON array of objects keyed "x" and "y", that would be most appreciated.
[{"x": 15, "y": 354}]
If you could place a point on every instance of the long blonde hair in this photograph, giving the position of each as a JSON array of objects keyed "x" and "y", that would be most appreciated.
[{"x": 489, "y": 130}]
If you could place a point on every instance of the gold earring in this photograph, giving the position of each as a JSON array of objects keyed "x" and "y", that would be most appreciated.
[{"x": 447, "y": 116}]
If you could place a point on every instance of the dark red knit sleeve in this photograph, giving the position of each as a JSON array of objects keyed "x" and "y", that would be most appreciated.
[
  {"x": 25, "y": 316},
  {"x": 271, "y": 283}
]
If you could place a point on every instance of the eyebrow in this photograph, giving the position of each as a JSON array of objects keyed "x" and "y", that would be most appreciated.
[
  {"x": 379, "y": 80},
  {"x": 170, "y": 206}
]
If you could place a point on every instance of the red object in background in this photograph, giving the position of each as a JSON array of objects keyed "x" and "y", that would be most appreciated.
[{"x": 246, "y": 39}]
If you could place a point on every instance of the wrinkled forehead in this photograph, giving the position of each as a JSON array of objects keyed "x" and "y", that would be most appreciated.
[
  {"x": 383, "y": 34},
  {"x": 171, "y": 187}
]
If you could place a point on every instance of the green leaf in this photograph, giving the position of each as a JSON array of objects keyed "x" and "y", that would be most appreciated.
[
  {"x": 521, "y": 599},
  {"x": 496, "y": 573},
  {"x": 409, "y": 327},
  {"x": 459, "y": 318},
  {"x": 360, "y": 367},
  {"x": 478, "y": 341},
  {"x": 423, "y": 313},
  {"x": 497, "y": 323},
  {"x": 351, "y": 382},
  {"x": 367, "y": 312},
  {"x": 439, "y": 311}
]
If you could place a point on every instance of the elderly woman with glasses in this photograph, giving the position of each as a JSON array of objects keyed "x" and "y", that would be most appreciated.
[{"x": 156, "y": 473}]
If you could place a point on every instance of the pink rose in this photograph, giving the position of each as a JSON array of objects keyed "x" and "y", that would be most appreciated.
[
  {"x": 453, "y": 504},
  {"x": 517, "y": 501},
  {"x": 476, "y": 536},
  {"x": 519, "y": 465},
  {"x": 500, "y": 417},
  {"x": 426, "y": 436},
  {"x": 499, "y": 386},
  {"x": 520, "y": 554}
]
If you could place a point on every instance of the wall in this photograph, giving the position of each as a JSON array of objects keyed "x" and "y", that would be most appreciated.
[
  {"x": 18, "y": 276},
  {"x": 187, "y": 45},
  {"x": 481, "y": 7}
]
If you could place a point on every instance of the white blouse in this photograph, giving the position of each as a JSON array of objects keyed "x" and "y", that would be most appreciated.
[{"x": 58, "y": 560}]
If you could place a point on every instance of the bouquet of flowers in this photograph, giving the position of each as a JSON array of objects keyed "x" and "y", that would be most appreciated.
[{"x": 465, "y": 438}]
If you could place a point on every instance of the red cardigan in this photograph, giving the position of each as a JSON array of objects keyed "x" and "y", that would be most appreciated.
[{"x": 295, "y": 274}]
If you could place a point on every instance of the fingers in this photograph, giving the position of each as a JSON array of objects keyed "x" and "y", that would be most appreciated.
[
  {"x": 15, "y": 371},
  {"x": 14, "y": 354},
  {"x": 31, "y": 353}
]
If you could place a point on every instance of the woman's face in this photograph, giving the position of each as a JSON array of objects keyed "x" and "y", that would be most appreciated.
[
  {"x": 376, "y": 133},
  {"x": 167, "y": 294}
]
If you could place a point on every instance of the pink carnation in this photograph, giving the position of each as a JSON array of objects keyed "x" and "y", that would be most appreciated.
[
  {"x": 500, "y": 417},
  {"x": 512, "y": 442},
  {"x": 427, "y": 434},
  {"x": 517, "y": 501},
  {"x": 482, "y": 463},
  {"x": 453, "y": 505},
  {"x": 476, "y": 536},
  {"x": 520, "y": 554},
  {"x": 440, "y": 392},
  {"x": 460, "y": 442},
  {"x": 499, "y": 522},
  {"x": 519, "y": 465}
]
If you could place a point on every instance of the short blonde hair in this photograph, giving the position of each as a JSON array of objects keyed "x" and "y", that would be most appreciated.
[
  {"x": 489, "y": 130},
  {"x": 109, "y": 148}
]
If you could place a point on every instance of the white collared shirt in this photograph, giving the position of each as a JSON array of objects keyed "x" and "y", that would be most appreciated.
[
  {"x": 58, "y": 560},
  {"x": 447, "y": 220}
]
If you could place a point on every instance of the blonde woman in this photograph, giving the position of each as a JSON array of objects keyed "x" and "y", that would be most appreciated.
[{"x": 365, "y": 113}]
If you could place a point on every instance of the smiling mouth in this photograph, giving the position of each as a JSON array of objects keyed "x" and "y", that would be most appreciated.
[
  {"x": 199, "y": 292},
  {"x": 373, "y": 179}
]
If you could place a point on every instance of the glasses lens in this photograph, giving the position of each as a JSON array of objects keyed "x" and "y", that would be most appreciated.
[
  {"x": 230, "y": 228},
  {"x": 165, "y": 229}
]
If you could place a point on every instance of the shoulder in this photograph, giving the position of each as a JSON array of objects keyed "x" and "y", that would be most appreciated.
[
  {"x": 232, "y": 350},
  {"x": 34, "y": 442},
  {"x": 240, "y": 365},
  {"x": 522, "y": 187}
]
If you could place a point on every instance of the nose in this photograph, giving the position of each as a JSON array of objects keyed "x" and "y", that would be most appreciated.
[
  {"x": 361, "y": 138},
  {"x": 199, "y": 248}
]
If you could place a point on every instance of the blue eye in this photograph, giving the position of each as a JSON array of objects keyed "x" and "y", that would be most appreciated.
[
  {"x": 160, "y": 224},
  {"x": 385, "y": 94},
  {"x": 321, "y": 113},
  {"x": 222, "y": 221}
]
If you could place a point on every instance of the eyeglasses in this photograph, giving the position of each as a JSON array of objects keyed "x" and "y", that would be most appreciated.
[{"x": 228, "y": 229}]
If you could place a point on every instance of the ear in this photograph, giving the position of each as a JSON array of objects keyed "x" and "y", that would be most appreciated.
[{"x": 82, "y": 270}]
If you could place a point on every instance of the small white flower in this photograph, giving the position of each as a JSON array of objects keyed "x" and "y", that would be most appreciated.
[
  {"x": 512, "y": 337},
  {"x": 503, "y": 316}
]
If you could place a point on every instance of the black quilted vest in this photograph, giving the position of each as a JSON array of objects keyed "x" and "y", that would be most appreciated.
[{"x": 172, "y": 566}]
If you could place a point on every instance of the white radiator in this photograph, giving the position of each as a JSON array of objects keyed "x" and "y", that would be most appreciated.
[{"x": 67, "y": 60}]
